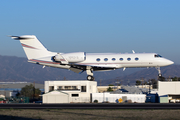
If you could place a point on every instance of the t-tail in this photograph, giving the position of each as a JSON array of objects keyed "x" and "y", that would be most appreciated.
[{"x": 32, "y": 46}]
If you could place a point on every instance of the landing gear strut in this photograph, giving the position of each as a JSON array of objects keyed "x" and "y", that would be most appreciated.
[
  {"x": 89, "y": 72},
  {"x": 159, "y": 71}
]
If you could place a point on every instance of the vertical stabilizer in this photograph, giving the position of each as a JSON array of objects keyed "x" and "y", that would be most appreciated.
[{"x": 32, "y": 46}]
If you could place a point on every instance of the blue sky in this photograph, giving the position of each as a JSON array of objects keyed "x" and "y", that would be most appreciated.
[{"x": 93, "y": 26}]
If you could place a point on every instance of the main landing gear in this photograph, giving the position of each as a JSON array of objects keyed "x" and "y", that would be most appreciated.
[
  {"x": 90, "y": 78},
  {"x": 89, "y": 72}
]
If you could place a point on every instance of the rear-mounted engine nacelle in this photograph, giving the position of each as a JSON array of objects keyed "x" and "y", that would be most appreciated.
[
  {"x": 70, "y": 57},
  {"x": 75, "y": 57}
]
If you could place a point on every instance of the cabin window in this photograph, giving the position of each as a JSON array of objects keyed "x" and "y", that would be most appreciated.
[
  {"x": 121, "y": 59},
  {"x": 51, "y": 88},
  {"x": 136, "y": 59},
  {"x": 83, "y": 88},
  {"x": 113, "y": 59},
  {"x": 98, "y": 59},
  {"x": 74, "y": 87},
  {"x": 128, "y": 59},
  {"x": 105, "y": 59},
  {"x": 74, "y": 95},
  {"x": 59, "y": 87},
  {"x": 67, "y": 87}
]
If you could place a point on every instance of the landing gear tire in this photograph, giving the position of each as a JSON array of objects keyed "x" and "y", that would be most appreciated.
[
  {"x": 159, "y": 75},
  {"x": 161, "y": 78},
  {"x": 90, "y": 78}
]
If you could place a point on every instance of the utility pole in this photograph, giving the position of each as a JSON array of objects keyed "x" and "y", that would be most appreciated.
[
  {"x": 142, "y": 82},
  {"x": 128, "y": 82},
  {"x": 149, "y": 86},
  {"x": 117, "y": 83},
  {"x": 121, "y": 82},
  {"x": 34, "y": 91}
]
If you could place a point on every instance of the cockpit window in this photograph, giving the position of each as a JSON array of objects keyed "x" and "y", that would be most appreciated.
[{"x": 157, "y": 56}]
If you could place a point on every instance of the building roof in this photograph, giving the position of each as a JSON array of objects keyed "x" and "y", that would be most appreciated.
[{"x": 130, "y": 90}]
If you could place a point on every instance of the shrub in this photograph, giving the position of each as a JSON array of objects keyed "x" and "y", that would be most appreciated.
[{"x": 1, "y": 99}]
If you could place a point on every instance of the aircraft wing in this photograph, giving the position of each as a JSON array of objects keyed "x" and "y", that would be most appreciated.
[{"x": 80, "y": 68}]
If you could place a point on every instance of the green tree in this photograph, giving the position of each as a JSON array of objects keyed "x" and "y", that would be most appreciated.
[
  {"x": 145, "y": 83},
  {"x": 30, "y": 91},
  {"x": 110, "y": 85},
  {"x": 161, "y": 78},
  {"x": 175, "y": 79},
  {"x": 138, "y": 82},
  {"x": 154, "y": 83},
  {"x": 110, "y": 89},
  {"x": 18, "y": 94}
]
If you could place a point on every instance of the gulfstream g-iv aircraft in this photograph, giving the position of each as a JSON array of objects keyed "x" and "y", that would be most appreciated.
[{"x": 89, "y": 62}]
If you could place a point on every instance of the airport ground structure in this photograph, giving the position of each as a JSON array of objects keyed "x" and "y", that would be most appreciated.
[
  {"x": 69, "y": 91},
  {"x": 87, "y": 92},
  {"x": 169, "y": 91},
  {"x": 83, "y": 91}
]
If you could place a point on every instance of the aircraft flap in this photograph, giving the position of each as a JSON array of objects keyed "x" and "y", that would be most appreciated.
[{"x": 75, "y": 70}]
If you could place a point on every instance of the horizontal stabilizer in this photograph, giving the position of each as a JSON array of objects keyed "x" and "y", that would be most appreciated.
[
  {"x": 32, "y": 46},
  {"x": 23, "y": 37}
]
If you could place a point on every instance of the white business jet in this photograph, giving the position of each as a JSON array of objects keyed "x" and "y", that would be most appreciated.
[{"x": 89, "y": 62}]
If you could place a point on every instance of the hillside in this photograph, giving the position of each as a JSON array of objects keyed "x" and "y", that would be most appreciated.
[{"x": 146, "y": 74}]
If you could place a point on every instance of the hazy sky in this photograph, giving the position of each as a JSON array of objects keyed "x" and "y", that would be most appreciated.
[{"x": 93, "y": 26}]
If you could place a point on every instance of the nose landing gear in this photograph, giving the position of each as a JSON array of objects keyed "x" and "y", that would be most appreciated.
[
  {"x": 159, "y": 71},
  {"x": 160, "y": 77}
]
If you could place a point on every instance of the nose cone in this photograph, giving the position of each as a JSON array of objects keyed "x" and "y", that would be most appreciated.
[
  {"x": 165, "y": 62},
  {"x": 168, "y": 62}
]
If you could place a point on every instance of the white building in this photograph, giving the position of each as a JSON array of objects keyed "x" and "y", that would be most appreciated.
[
  {"x": 171, "y": 89},
  {"x": 68, "y": 91},
  {"x": 84, "y": 92},
  {"x": 114, "y": 98}
]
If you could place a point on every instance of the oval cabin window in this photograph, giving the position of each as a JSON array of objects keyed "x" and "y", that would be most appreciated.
[
  {"x": 128, "y": 59},
  {"x": 113, "y": 59},
  {"x": 105, "y": 59},
  {"x": 136, "y": 59},
  {"x": 98, "y": 59}
]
